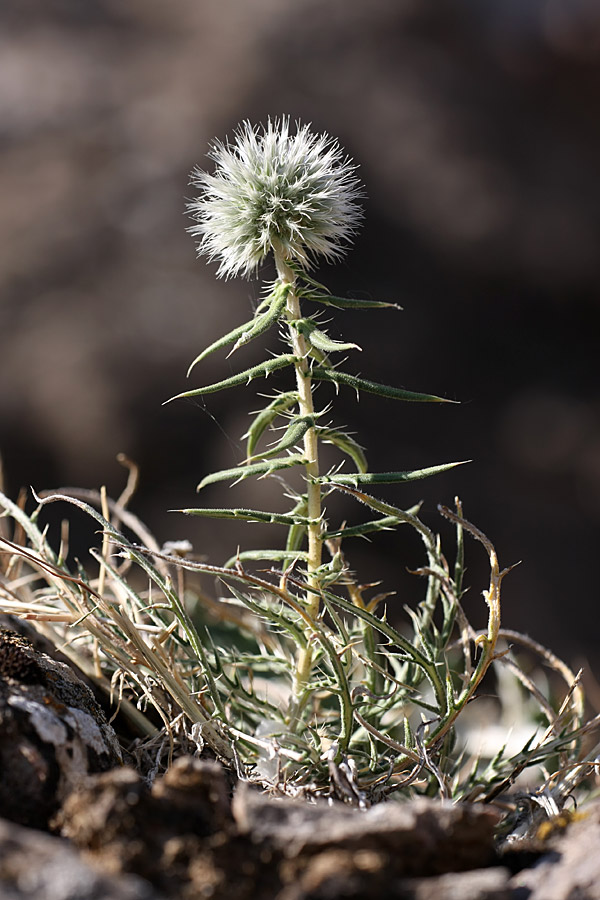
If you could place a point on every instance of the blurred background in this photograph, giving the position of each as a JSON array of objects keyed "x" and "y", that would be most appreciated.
[{"x": 477, "y": 131}]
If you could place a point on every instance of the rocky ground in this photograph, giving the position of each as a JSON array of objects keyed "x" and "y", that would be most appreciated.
[{"x": 79, "y": 824}]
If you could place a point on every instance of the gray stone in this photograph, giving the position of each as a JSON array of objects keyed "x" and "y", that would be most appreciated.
[
  {"x": 571, "y": 868},
  {"x": 479, "y": 884},
  {"x": 38, "y": 866},
  {"x": 421, "y": 837},
  {"x": 53, "y": 733}
]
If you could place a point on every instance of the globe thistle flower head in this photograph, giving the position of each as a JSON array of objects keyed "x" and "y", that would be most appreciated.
[{"x": 296, "y": 194}]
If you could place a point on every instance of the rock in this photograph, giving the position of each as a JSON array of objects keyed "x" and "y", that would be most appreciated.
[
  {"x": 41, "y": 867},
  {"x": 179, "y": 835},
  {"x": 53, "y": 733},
  {"x": 420, "y": 837},
  {"x": 43, "y": 644},
  {"x": 571, "y": 868},
  {"x": 479, "y": 884},
  {"x": 199, "y": 793},
  {"x": 340, "y": 875},
  {"x": 117, "y": 809}
]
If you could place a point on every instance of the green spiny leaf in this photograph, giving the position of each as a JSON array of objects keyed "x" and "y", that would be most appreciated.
[
  {"x": 371, "y": 387},
  {"x": 385, "y": 524},
  {"x": 413, "y": 653},
  {"x": 319, "y": 339},
  {"x": 346, "y": 302},
  {"x": 319, "y": 293},
  {"x": 260, "y": 469},
  {"x": 261, "y": 322},
  {"x": 274, "y": 555},
  {"x": 277, "y": 303},
  {"x": 292, "y": 436},
  {"x": 298, "y": 529},
  {"x": 408, "y": 516},
  {"x": 354, "y": 479},
  {"x": 305, "y": 278},
  {"x": 270, "y": 615},
  {"x": 248, "y": 515},
  {"x": 346, "y": 444},
  {"x": 420, "y": 633},
  {"x": 266, "y": 416},
  {"x": 263, "y": 370},
  {"x": 221, "y": 342}
]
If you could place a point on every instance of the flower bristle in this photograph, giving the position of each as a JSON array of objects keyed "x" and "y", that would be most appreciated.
[{"x": 275, "y": 189}]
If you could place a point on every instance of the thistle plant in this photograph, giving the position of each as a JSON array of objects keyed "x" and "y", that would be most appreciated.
[
  {"x": 295, "y": 676},
  {"x": 295, "y": 196}
]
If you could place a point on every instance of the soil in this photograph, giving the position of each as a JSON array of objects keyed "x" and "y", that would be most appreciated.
[{"x": 91, "y": 827}]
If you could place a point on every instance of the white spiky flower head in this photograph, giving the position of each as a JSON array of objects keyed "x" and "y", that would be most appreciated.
[{"x": 296, "y": 194}]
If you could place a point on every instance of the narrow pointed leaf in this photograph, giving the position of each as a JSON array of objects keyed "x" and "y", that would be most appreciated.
[
  {"x": 427, "y": 645},
  {"x": 413, "y": 653},
  {"x": 319, "y": 358},
  {"x": 267, "y": 319},
  {"x": 346, "y": 302},
  {"x": 408, "y": 516},
  {"x": 319, "y": 339},
  {"x": 319, "y": 293},
  {"x": 270, "y": 615},
  {"x": 221, "y": 342},
  {"x": 292, "y": 436},
  {"x": 31, "y": 530},
  {"x": 260, "y": 469},
  {"x": 248, "y": 515},
  {"x": 274, "y": 555},
  {"x": 346, "y": 444},
  {"x": 266, "y": 416},
  {"x": 371, "y": 387},
  {"x": 385, "y": 524},
  {"x": 262, "y": 321},
  {"x": 354, "y": 479},
  {"x": 261, "y": 371},
  {"x": 304, "y": 277},
  {"x": 297, "y": 531}
]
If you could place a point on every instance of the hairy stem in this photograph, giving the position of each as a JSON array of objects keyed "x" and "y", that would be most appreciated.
[{"x": 311, "y": 453}]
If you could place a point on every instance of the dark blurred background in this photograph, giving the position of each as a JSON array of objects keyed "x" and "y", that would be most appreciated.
[{"x": 477, "y": 129}]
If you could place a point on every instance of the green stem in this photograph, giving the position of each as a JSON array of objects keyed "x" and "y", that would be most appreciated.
[{"x": 311, "y": 453}]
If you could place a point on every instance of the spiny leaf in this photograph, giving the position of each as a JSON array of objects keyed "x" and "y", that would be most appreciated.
[
  {"x": 266, "y": 416},
  {"x": 221, "y": 342},
  {"x": 346, "y": 302},
  {"x": 270, "y": 615},
  {"x": 260, "y": 469},
  {"x": 263, "y": 370},
  {"x": 292, "y": 436},
  {"x": 371, "y": 387},
  {"x": 248, "y": 515},
  {"x": 413, "y": 653},
  {"x": 274, "y": 555},
  {"x": 27, "y": 524},
  {"x": 298, "y": 529},
  {"x": 427, "y": 645},
  {"x": 385, "y": 524},
  {"x": 261, "y": 322},
  {"x": 354, "y": 479},
  {"x": 346, "y": 444},
  {"x": 319, "y": 339},
  {"x": 319, "y": 293},
  {"x": 408, "y": 516}
]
